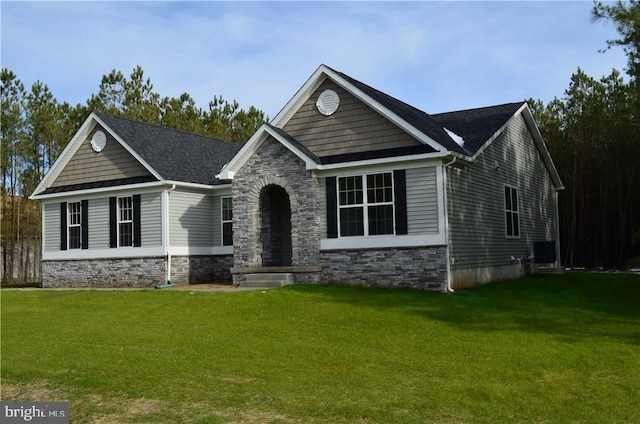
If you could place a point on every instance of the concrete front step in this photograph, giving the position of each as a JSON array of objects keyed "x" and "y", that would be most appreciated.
[
  {"x": 271, "y": 279},
  {"x": 551, "y": 270}
]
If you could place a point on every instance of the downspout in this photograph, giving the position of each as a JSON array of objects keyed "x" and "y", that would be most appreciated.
[
  {"x": 446, "y": 220},
  {"x": 167, "y": 252}
]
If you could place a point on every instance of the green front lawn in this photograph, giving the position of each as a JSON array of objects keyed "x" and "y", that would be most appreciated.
[{"x": 539, "y": 350}]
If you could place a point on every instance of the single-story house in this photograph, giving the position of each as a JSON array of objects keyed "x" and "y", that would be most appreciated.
[{"x": 346, "y": 184}]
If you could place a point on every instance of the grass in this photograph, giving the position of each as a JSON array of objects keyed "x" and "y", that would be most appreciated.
[{"x": 538, "y": 350}]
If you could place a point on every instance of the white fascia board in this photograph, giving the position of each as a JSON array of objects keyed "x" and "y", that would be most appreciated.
[
  {"x": 130, "y": 150},
  {"x": 404, "y": 125},
  {"x": 383, "y": 242},
  {"x": 73, "y": 146},
  {"x": 98, "y": 192},
  {"x": 66, "y": 155},
  {"x": 542, "y": 146},
  {"x": 228, "y": 171},
  {"x": 391, "y": 162},
  {"x": 301, "y": 96},
  {"x": 205, "y": 187},
  {"x": 318, "y": 77}
]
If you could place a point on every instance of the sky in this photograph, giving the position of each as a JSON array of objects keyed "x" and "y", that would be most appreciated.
[{"x": 438, "y": 56}]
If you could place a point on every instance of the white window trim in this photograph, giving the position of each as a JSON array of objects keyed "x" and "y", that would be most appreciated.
[
  {"x": 225, "y": 221},
  {"x": 119, "y": 219},
  {"x": 71, "y": 225},
  {"x": 365, "y": 205},
  {"x": 506, "y": 210}
]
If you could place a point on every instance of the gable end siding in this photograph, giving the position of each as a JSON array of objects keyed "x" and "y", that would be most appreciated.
[
  {"x": 86, "y": 166},
  {"x": 476, "y": 205},
  {"x": 354, "y": 127}
]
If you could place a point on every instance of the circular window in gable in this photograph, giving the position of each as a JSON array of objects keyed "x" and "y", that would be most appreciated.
[
  {"x": 98, "y": 141},
  {"x": 328, "y": 102}
]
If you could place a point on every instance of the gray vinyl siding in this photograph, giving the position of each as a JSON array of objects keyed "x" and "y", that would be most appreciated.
[
  {"x": 99, "y": 223},
  {"x": 354, "y": 127},
  {"x": 422, "y": 201},
  {"x": 190, "y": 219},
  {"x": 216, "y": 223},
  {"x": 476, "y": 205},
  {"x": 151, "y": 219},
  {"x": 114, "y": 162},
  {"x": 51, "y": 226},
  {"x": 98, "y": 214}
]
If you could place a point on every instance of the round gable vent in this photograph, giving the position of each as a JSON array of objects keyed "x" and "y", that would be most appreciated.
[
  {"x": 98, "y": 141},
  {"x": 328, "y": 102}
]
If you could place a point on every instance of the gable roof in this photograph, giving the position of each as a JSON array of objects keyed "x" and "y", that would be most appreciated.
[
  {"x": 169, "y": 155},
  {"x": 477, "y": 126},
  {"x": 462, "y": 134},
  {"x": 415, "y": 117},
  {"x": 175, "y": 155}
]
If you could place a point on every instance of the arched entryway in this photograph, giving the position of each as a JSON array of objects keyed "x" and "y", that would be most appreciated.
[{"x": 275, "y": 228}]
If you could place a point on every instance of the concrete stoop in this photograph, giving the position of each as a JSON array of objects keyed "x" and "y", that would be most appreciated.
[{"x": 267, "y": 280}]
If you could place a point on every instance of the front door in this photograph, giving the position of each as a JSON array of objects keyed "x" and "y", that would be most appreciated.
[{"x": 275, "y": 234}]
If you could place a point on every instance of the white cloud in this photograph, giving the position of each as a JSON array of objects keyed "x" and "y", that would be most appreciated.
[{"x": 437, "y": 56}]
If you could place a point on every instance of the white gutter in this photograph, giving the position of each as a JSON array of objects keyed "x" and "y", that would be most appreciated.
[{"x": 446, "y": 220}]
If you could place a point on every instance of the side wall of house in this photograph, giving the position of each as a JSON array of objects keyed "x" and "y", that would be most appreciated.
[
  {"x": 480, "y": 249},
  {"x": 194, "y": 245},
  {"x": 98, "y": 225},
  {"x": 195, "y": 237}
]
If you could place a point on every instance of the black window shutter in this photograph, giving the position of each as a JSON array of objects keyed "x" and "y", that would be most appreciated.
[
  {"x": 400, "y": 194},
  {"x": 85, "y": 224},
  {"x": 63, "y": 226},
  {"x": 332, "y": 207},
  {"x": 113, "y": 222},
  {"x": 137, "y": 233}
]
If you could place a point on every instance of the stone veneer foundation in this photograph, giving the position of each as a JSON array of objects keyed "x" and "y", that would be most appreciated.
[
  {"x": 201, "y": 269},
  {"x": 97, "y": 273},
  {"x": 422, "y": 268},
  {"x": 135, "y": 272}
]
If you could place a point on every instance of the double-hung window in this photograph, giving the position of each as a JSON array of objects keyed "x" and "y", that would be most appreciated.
[
  {"x": 125, "y": 221},
  {"x": 365, "y": 205},
  {"x": 512, "y": 215},
  {"x": 227, "y": 221},
  {"x": 74, "y": 219},
  {"x": 74, "y": 225}
]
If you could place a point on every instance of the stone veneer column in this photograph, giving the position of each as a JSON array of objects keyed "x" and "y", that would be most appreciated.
[{"x": 274, "y": 164}]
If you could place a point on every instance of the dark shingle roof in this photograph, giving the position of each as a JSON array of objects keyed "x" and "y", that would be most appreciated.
[
  {"x": 476, "y": 126},
  {"x": 175, "y": 155},
  {"x": 419, "y": 119}
]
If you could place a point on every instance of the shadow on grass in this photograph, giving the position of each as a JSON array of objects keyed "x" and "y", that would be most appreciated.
[{"x": 572, "y": 307}]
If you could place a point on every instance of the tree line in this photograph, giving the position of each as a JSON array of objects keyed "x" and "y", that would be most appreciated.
[
  {"x": 593, "y": 133},
  {"x": 35, "y": 128}
]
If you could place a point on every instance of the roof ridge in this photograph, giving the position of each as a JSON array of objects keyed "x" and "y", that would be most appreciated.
[
  {"x": 479, "y": 108},
  {"x": 160, "y": 126}
]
